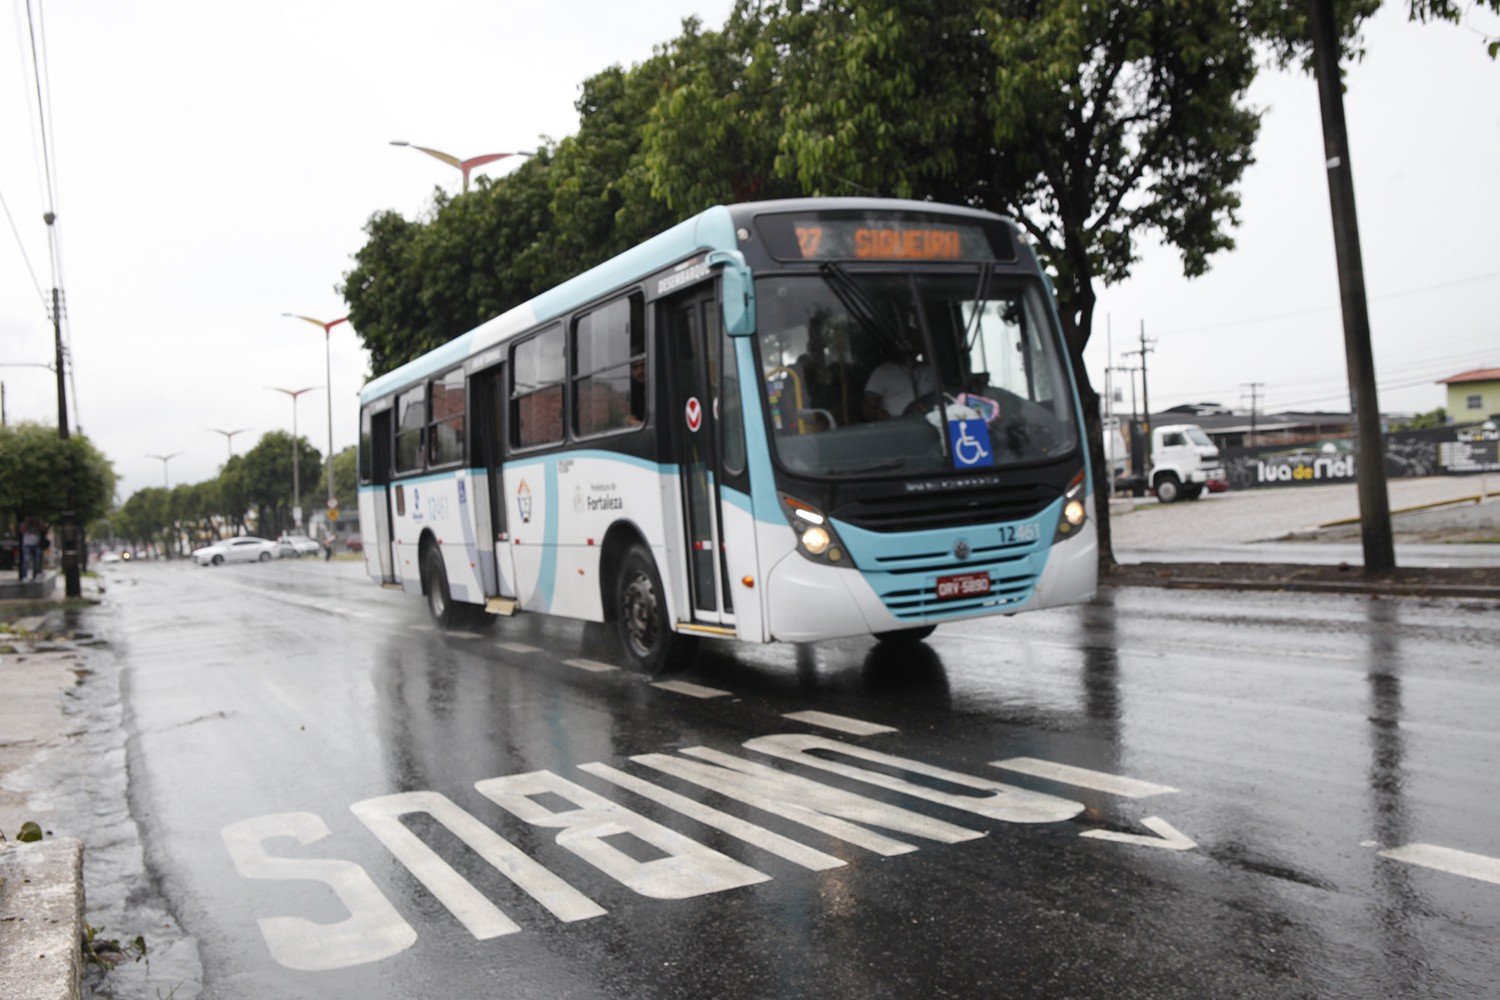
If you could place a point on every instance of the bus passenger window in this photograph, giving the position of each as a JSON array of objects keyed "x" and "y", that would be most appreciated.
[
  {"x": 609, "y": 359},
  {"x": 445, "y": 438},
  {"x": 411, "y": 414},
  {"x": 537, "y": 369}
]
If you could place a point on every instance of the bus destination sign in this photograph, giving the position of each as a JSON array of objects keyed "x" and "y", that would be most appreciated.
[
  {"x": 886, "y": 236},
  {"x": 890, "y": 242}
]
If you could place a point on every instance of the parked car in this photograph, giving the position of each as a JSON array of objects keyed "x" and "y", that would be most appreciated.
[
  {"x": 355, "y": 543},
  {"x": 296, "y": 546},
  {"x": 246, "y": 548}
]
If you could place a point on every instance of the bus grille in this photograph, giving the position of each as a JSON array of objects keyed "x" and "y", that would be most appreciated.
[
  {"x": 915, "y": 596},
  {"x": 923, "y": 511}
]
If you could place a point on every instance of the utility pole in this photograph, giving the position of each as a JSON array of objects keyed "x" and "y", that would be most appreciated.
[
  {"x": 67, "y": 528},
  {"x": 1374, "y": 502},
  {"x": 1145, "y": 349},
  {"x": 1254, "y": 388}
]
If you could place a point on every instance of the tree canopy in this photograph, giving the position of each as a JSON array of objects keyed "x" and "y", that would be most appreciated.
[
  {"x": 1096, "y": 126},
  {"x": 37, "y": 469}
]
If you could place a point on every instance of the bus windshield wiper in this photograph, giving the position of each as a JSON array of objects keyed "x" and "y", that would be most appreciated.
[
  {"x": 981, "y": 296},
  {"x": 865, "y": 312}
]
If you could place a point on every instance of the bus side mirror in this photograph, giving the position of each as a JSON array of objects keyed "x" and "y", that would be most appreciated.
[{"x": 737, "y": 291}]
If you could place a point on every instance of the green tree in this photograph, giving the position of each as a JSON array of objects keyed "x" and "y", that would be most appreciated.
[
  {"x": 346, "y": 480},
  {"x": 265, "y": 475},
  {"x": 38, "y": 469}
]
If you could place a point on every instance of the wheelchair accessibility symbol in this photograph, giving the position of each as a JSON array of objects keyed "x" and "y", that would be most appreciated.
[{"x": 970, "y": 442}]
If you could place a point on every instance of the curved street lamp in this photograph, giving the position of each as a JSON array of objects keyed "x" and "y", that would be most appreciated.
[
  {"x": 296, "y": 473},
  {"x": 328, "y": 377},
  {"x": 229, "y": 437},
  {"x": 463, "y": 165},
  {"x": 164, "y": 460}
]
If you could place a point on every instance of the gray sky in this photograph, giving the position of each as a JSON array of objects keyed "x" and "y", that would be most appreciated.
[{"x": 215, "y": 166}]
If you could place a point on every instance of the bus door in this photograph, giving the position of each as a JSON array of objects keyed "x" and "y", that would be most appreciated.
[
  {"x": 488, "y": 396},
  {"x": 381, "y": 444},
  {"x": 692, "y": 345}
]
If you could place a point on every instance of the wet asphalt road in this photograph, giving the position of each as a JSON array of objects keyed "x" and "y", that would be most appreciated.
[{"x": 1277, "y": 745}]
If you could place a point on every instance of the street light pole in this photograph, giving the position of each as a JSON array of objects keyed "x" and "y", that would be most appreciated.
[
  {"x": 296, "y": 471},
  {"x": 328, "y": 377},
  {"x": 463, "y": 165},
  {"x": 164, "y": 460},
  {"x": 229, "y": 437}
]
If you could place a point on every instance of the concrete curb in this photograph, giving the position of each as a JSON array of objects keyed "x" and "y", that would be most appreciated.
[
  {"x": 1314, "y": 586},
  {"x": 41, "y": 920}
]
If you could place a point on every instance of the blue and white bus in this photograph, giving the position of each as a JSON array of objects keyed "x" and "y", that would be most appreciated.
[{"x": 781, "y": 421}]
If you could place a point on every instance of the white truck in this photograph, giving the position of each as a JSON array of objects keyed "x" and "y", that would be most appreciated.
[{"x": 1183, "y": 460}]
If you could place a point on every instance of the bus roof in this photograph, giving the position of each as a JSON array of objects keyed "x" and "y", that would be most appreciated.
[{"x": 711, "y": 229}]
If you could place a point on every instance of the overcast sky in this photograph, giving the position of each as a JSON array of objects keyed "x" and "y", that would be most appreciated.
[{"x": 216, "y": 164}]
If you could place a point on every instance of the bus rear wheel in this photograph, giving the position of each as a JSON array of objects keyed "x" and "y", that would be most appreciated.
[
  {"x": 435, "y": 581},
  {"x": 641, "y": 616}
]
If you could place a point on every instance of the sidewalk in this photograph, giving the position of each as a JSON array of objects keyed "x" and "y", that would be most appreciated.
[
  {"x": 41, "y": 884},
  {"x": 1308, "y": 538}
]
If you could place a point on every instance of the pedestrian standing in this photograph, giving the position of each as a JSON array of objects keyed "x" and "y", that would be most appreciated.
[
  {"x": 327, "y": 547},
  {"x": 33, "y": 532}
]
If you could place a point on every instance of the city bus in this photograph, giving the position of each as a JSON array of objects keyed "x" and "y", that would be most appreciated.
[{"x": 783, "y": 421}]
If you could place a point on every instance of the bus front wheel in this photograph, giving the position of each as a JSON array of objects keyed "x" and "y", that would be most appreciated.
[{"x": 641, "y": 616}]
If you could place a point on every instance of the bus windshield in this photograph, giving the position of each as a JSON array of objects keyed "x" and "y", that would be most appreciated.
[{"x": 865, "y": 371}]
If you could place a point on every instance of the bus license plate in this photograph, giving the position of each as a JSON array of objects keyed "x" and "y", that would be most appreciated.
[{"x": 962, "y": 585}]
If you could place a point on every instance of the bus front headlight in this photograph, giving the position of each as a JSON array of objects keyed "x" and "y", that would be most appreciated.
[
  {"x": 1074, "y": 513},
  {"x": 816, "y": 539}
]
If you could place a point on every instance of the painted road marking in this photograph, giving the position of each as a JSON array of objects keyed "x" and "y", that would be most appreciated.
[
  {"x": 373, "y": 930},
  {"x": 1167, "y": 836},
  {"x": 782, "y": 847},
  {"x": 517, "y": 647},
  {"x": 1003, "y": 802},
  {"x": 843, "y": 724},
  {"x": 677, "y": 866},
  {"x": 1447, "y": 859},
  {"x": 1082, "y": 777},
  {"x": 686, "y": 869},
  {"x": 482, "y": 918},
  {"x": 592, "y": 666},
  {"x": 691, "y": 690}
]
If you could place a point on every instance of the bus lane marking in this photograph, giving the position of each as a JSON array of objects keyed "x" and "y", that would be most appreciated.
[
  {"x": 1449, "y": 860},
  {"x": 839, "y": 814},
  {"x": 758, "y": 836},
  {"x": 839, "y": 723},
  {"x": 373, "y": 931},
  {"x": 1082, "y": 777},
  {"x": 688, "y": 868},
  {"x": 483, "y": 919},
  {"x": 690, "y": 689},
  {"x": 641, "y": 854},
  {"x": 592, "y": 666},
  {"x": 1168, "y": 837}
]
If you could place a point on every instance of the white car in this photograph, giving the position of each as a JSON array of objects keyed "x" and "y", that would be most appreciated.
[
  {"x": 296, "y": 546},
  {"x": 244, "y": 549}
]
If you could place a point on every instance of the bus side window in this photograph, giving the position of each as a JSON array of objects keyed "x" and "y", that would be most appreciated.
[
  {"x": 411, "y": 416},
  {"x": 445, "y": 434},
  {"x": 609, "y": 368},
  {"x": 538, "y": 367}
]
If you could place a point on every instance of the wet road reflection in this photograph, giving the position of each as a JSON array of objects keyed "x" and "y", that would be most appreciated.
[{"x": 1273, "y": 744}]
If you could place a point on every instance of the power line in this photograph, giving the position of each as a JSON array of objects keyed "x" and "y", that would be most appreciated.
[
  {"x": 1277, "y": 317},
  {"x": 24, "y": 256}
]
